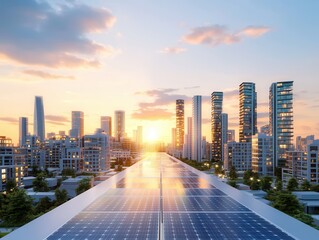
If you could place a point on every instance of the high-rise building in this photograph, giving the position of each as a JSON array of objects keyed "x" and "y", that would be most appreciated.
[
  {"x": 106, "y": 125},
  {"x": 313, "y": 162},
  {"x": 281, "y": 120},
  {"x": 197, "y": 129},
  {"x": 119, "y": 130},
  {"x": 217, "y": 109},
  {"x": 179, "y": 124},
  {"x": 23, "y": 130},
  {"x": 39, "y": 124},
  {"x": 231, "y": 135},
  {"x": 77, "y": 130},
  {"x": 237, "y": 154},
  {"x": 265, "y": 129},
  {"x": 224, "y": 117},
  {"x": 247, "y": 111},
  {"x": 262, "y": 159},
  {"x": 302, "y": 143},
  {"x": 187, "y": 149}
]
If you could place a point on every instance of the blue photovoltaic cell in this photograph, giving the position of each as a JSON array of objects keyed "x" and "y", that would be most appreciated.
[
  {"x": 243, "y": 226},
  {"x": 203, "y": 203},
  {"x": 193, "y": 192},
  {"x": 94, "y": 226}
]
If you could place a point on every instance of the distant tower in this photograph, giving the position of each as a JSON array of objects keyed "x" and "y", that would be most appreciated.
[
  {"x": 39, "y": 125},
  {"x": 23, "y": 130},
  {"x": 179, "y": 124},
  {"x": 224, "y": 117},
  {"x": 197, "y": 129},
  {"x": 247, "y": 111},
  {"x": 187, "y": 149},
  {"x": 77, "y": 130},
  {"x": 106, "y": 125},
  {"x": 217, "y": 109},
  {"x": 119, "y": 130},
  {"x": 281, "y": 120}
]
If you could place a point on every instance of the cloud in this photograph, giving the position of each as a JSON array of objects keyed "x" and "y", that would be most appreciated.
[
  {"x": 45, "y": 75},
  {"x": 35, "y": 33},
  {"x": 215, "y": 35},
  {"x": 192, "y": 87},
  {"x": 152, "y": 114},
  {"x": 56, "y": 120},
  {"x": 9, "y": 120},
  {"x": 173, "y": 50}
]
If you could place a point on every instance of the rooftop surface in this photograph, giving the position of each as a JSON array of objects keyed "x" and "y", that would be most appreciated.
[{"x": 162, "y": 198}]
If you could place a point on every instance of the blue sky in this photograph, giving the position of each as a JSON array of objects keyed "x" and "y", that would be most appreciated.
[{"x": 111, "y": 55}]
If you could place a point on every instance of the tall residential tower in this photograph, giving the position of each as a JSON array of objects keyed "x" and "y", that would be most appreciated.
[
  {"x": 179, "y": 124},
  {"x": 77, "y": 130},
  {"x": 106, "y": 125},
  {"x": 281, "y": 120},
  {"x": 217, "y": 109},
  {"x": 247, "y": 111},
  {"x": 197, "y": 129},
  {"x": 23, "y": 130},
  {"x": 119, "y": 128},
  {"x": 39, "y": 124}
]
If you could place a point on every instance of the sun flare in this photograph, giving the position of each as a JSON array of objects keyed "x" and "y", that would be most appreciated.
[{"x": 152, "y": 134}]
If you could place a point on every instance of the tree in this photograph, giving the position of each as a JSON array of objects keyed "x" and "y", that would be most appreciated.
[
  {"x": 255, "y": 184},
  {"x": 292, "y": 184},
  {"x": 18, "y": 208},
  {"x": 61, "y": 196},
  {"x": 232, "y": 173},
  {"x": 314, "y": 188},
  {"x": 278, "y": 185},
  {"x": 305, "y": 186},
  {"x": 265, "y": 183},
  {"x": 247, "y": 175},
  {"x": 68, "y": 172},
  {"x": 35, "y": 170},
  {"x": 232, "y": 183},
  {"x": 40, "y": 184},
  {"x": 11, "y": 186},
  {"x": 85, "y": 184},
  {"x": 43, "y": 205},
  {"x": 287, "y": 203}
]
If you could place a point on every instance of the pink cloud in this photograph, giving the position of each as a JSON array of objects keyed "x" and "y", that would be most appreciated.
[{"x": 173, "y": 50}]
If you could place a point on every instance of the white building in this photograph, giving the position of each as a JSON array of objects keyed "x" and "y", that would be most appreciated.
[
  {"x": 224, "y": 131},
  {"x": 187, "y": 147},
  {"x": 262, "y": 158},
  {"x": 77, "y": 130},
  {"x": 313, "y": 162},
  {"x": 197, "y": 129},
  {"x": 96, "y": 152},
  {"x": 302, "y": 143}
]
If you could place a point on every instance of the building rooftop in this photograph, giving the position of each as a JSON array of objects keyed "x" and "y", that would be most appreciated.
[{"x": 163, "y": 198}]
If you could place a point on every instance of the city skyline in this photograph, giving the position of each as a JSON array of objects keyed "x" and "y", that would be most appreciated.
[{"x": 198, "y": 51}]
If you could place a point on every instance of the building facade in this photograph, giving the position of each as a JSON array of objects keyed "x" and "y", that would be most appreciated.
[
  {"x": 247, "y": 111},
  {"x": 23, "y": 130},
  {"x": 216, "y": 128},
  {"x": 106, "y": 125},
  {"x": 187, "y": 148},
  {"x": 197, "y": 128},
  {"x": 281, "y": 120},
  {"x": 39, "y": 123},
  {"x": 237, "y": 154},
  {"x": 180, "y": 124},
  {"x": 119, "y": 125},
  {"x": 77, "y": 130},
  {"x": 262, "y": 158}
]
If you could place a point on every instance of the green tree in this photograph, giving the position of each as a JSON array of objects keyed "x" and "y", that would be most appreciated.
[
  {"x": 35, "y": 170},
  {"x": 61, "y": 196},
  {"x": 287, "y": 203},
  {"x": 305, "y": 218},
  {"x": 40, "y": 184},
  {"x": 278, "y": 185},
  {"x": 85, "y": 184},
  {"x": 232, "y": 173},
  {"x": 68, "y": 172},
  {"x": 247, "y": 175},
  {"x": 11, "y": 186},
  {"x": 43, "y": 205},
  {"x": 292, "y": 184},
  {"x": 18, "y": 209},
  {"x": 255, "y": 184},
  {"x": 278, "y": 172},
  {"x": 305, "y": 186},
  {"x": 314, "y": 188},
  {"x": 232, "y": 183},
  {"x": 265, "y": 183}
]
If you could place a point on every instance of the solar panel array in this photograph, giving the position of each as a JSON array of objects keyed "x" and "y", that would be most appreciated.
[{"x": 161, "y": 199}]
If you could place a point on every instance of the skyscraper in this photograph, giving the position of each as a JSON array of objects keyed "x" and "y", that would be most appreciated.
[
  {"x": 77, "y": 130},
  {"x": 281, "y": 120},
  {"x": 187, "y": 149},
  {"x": 39, "y": 124},
  {"x": 224, "y": 117},
  {"x": 179, "y": 124},
  {"x": 217, "y": 109},
  {"x": 106, "y": 125},
  {"x": 247, "y": 111},
  {"x": 23, "y": 130},
  {"x": 119, "y": 130},
  {"x": 197, "y": 129}
]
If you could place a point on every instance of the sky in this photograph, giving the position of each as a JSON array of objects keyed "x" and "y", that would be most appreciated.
[{"x": 140, "y": 56}]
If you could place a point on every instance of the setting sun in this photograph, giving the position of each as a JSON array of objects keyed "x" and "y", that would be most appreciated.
[{"x": 152, "y": 134}]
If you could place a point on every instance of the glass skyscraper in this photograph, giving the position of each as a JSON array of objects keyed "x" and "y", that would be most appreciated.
[
  {"x": 217, "y": 109},
  {"x": 23, "y": 130},
  {"x": 197, "y": 129},
  {"x": 39, "y": 125},
  {"x": 119, "y": 125},
  {"x": 179, "y": 124},
  {"x": 281, "y": 120},
  {"x": 247, "y": 111},
  {"x": 106, "y": 124},
  {"x": 77, "y": 130}
]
